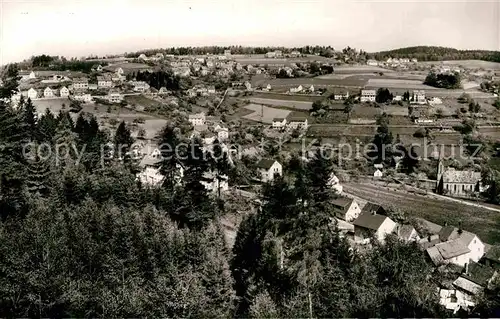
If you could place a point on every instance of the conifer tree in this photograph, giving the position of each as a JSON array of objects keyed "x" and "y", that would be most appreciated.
[
  {"x": 169, "y": 148},
  {"x": 47, "y": 126},
  {"x": 38, "y": 175},
  {"x": 123, "y": 140}
]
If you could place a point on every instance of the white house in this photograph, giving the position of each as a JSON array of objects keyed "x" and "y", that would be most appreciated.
[
  {"x": 279, "y": 122},
  {"x": 346, "y": 208},
  {"x": 114, "y": 97},
  {"x": 378, "y": 173},
  {"x": 456, "y": 247},
  {"x": 143, "y": 57},
  {"x": 140, "y": 86},
  {"x": 340, "y": 94},
  {"x": 80, "y": 84},
  {"x": 32, "y": 93},
  {"x": 419, "y": 97},
  {"x": 372, "y": 62},
  {"x": 368, "y": 95},
  {"x": 197, "y": 119},
  {"x": 104, "y": 82},
  {"x": 367, "y": 225},
  {"x": 268, "y": 169},
  {"x": 297, "y": 89},
  {"x": 48, "y": 93},
  {"x": 297, "y": 122},
  {"x": 119, "y": 71},
  {"x": 213, "y": 184},
  {"x": 222, "y": 133},
  {"x": 407, "y": 233},
  {"x": 83, "y": 97},
  {"x": 163, "y": 91},
  {"x": 248, "y": 86},
  {"x": 64, "y": 92}
]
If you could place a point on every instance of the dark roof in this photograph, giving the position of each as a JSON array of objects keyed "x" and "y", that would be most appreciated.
[
  {"x": 341, "y": 206},
  {"x": 370, "y": 208},
  {"x": 493, "y": 254},
  {"x": 278, "y": 119},
  {"x": 370, "y": 221},
  {"x": 265, "y": 163},
  {"x": 479, "y": 274},
  {"x": 297, "y": 118},
  {"x": 451, "y": 233}
]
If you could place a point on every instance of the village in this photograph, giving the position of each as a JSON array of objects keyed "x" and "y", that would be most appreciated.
[{"x": 232, "y": 100}]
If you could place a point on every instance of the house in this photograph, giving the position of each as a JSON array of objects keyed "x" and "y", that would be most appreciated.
[
  {"x": 140, "y": 86},
  {"x": 86, "y": 98},
  {"x": 163, "y": 91},
  {"x": 346, "y": 208},
  {"x": 150, "y": 173},
  {"x": 80, "y": 84},
  {"x": 414, "y": 60},
  {"x": 267, "y": 88},
  {"x": 368, "y": 95},
  {"x": 268, "y": 169},
  {"x": 270, "y": 54},
  {"x": 311, "y": 89},
  {"x": 114, "y": 97},
  {"x": 104, "y": 82},
  {"x": 211, "y": 90},
  {"x": 97, "y": 68},
  {"x": 64, "y": 92},
  {"x": 222, "y": 133},
  {"x": 378, "y": 174},
  {"x": 115, "y": 77},
  {"x": 371, "y": 208},
  {"x": 48, "y": 93},
  {"x": 419, "y": 97},
  {"x": 407, "y": 233},
  {"x": 297, "y": 89},
  {"x": 334, "y": 184},
  {"x": 197, "y": 119},
  {"x": 297, "y": 122},
  {"x": 279, "y": 122},
  {"x": 248, "y": 86},
  {"x": 453, "y": 182},
  {"x": 182, "y": 71},
  {"x": 295, "y": 54},
  {"x": 465, "y": 290},
  {"x": 119, "y": 71},
  {"x": 340, "y": 94},
  {"x": 143, "y": 57},
  {"x": 457, "y": 247},
  {"x": 492, "y": 257},
  {"x": 213, "y": 183},
  {"x": 92, "y": 86},
  {"x": 227, "y": 53},
  {"x": 372, "y": 62},
  {"x": 32, "y": 93},
  {"x": 27, "y": 75},
  {"x": 368, "y": 225}
]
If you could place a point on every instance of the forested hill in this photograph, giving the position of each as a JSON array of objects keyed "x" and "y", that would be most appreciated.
[{"x": 432, "y": 53}]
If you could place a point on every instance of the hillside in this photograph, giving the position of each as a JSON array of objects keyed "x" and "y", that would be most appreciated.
[{"x": 433, "y": 53}]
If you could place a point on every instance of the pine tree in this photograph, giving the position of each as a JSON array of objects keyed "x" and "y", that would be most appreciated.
[
  {"x": 38, "y": 175},
  {"x": 29, "y": 120},
  {"x": 123, "y": 140},
  {"x": 169, "y": 142},
  {"x": 47, "y": 126}
]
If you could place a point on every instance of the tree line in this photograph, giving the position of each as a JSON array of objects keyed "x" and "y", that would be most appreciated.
[{"x": 434, "y": 53}]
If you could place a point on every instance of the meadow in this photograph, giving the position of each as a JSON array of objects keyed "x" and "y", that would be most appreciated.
[{"x": 264, "y": 114}]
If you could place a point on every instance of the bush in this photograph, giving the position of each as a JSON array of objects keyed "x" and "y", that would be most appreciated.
[{"x": 421, "y": 132}]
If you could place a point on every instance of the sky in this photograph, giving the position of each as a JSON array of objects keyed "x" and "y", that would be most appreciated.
[{"x": 80, "y": 28}]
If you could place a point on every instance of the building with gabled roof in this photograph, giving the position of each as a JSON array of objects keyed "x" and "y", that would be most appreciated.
[
  {"x": 454, "y": 182},
  {"x": 268, "y": 169},
  {"x": 346, "y": 208},
  {"x": 407, "y": 233},
  {"x": 368, "y": 225},
  {"x": 371, "y": 208},
  {"x": 492, "y": 257}
]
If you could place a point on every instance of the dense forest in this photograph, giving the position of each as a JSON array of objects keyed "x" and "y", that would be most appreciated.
[
  {"x": 433, "y": 53},
  {"x": 443, "y": 80},
  {"x": 81, "y": 237},
  {"x": 55, "y": 63}
]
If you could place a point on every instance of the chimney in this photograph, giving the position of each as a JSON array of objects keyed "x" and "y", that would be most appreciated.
[
  {"x": 467, "y": 269},
  {"x": 460, "y": 227},
  {"x": 429, "y": 238}
]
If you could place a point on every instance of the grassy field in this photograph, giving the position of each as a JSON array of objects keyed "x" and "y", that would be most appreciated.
[
  {"x": 399, "y": 83},
  {"x": 127, "y": 66},
  {"x": 470, "y": 64},
  {"x": 264, "y": 114},
  {"x": 287, "y": 97},
  {"x": 353, "y": 81},
  {"x": 484, "y": 223},
  {"x": 298, "y": 105}
]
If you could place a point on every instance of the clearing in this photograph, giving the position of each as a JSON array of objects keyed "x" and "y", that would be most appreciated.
[
  {"x": 298, "y": 105},
  {"x": 483, "y": 222},
  {"x": 265, "y": 114},
  {"x": 470, "y": 64}
]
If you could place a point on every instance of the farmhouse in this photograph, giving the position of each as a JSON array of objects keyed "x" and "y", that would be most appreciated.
[
  {"x": 64, "y": 92},
  {"x": 80, "y": 84},
  {"x": 371, "y": 208},
  {"x": 346, "y": 208},
  {"x": 340, "y": 94},
  {"x": 48, "y": 93},
  {"x": 295, "y": 54},
  {"x": 222, "y": 132},
  {"x": 368, "y": 225},
  {"x": 268, "y": 169},
  {"x": 297, "y": 89},
  {"x": 372, "y": 62},
  {"x": 143, "y": 57},
  {"x": 378, "y": 174},
  {"x": 457, "y": 183},
  {"x": 197, "y": 119},
  {"x": 368, "y": 95},
  {"x": 150, "y": 174},
  {"x": 32, "y": 93},
  {"x": 279, "y": 122},
  {"x": 297, "y": 122}
]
